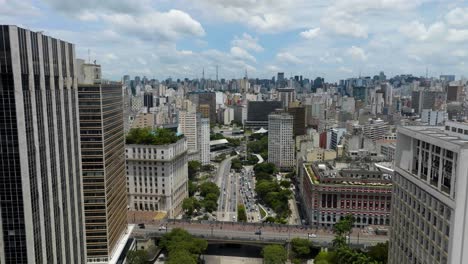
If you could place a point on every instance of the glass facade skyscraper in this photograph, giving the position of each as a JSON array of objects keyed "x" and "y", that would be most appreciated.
[{"x": 41, "y": 211}]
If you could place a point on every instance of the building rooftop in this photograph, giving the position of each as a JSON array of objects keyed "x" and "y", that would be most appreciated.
[
  {"x": 149, "y": 136},
  {"x": 351, "y": 174},
  {"x": 453, "y": 132}
]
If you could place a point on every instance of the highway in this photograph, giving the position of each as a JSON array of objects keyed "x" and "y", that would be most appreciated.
[
  {"x": 227, "y": 183},
  {"x": 239, "y": 232}
]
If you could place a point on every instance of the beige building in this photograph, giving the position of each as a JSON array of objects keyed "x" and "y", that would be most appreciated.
[
  {"x": 143, "y": 120},
  {"x": 157, "y": 177}
]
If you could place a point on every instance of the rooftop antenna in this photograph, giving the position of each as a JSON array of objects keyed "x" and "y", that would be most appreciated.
[
  {"x": 216, "y": 73},
  {"x": 203, "y": 73},
  {"x": 426, "y": 72},
  {"x": 246, "y": 76},
  {"x": 89, "y": 56}
]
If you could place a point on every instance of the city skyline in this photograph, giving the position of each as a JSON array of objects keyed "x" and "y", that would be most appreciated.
[{"x": 181, "y": 39}]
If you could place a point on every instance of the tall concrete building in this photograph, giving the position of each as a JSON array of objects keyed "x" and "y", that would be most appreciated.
[
  {"x": 103, "y": 165},
  {"x": 157, "y": 176},
  {"x": 258, "y": 111},
  {"x": 205, "y": 102},
  {"x": 281, "y": 140},
  {"x": 429, "y": 204},
  {"x": 41, "y": 195},
  {"x": 196, "y": 130},
  {"x": 203, "y": 139}
]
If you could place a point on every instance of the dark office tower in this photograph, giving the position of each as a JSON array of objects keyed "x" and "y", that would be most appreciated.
[
  {"x": 103, "y": 165},
  {"x": 205, "y": 100},
  {"x": 148, "y": 100},
  {"x": 258, "y": 111},
  {"x": 298, "y": 112},
  {"x": 41, "y": 212}
]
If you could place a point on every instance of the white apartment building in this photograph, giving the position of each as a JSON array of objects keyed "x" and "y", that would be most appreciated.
[
  {"x": 433, "y": 118},
  {"x": 197, "y": 131},
  {"x": 203, "y": 139},
  {"x": 376, "y": 129},
  {"x": 157, "y": 177},
  {"x": 280, "y": 140},
  {"x": 429, "y": 203}
]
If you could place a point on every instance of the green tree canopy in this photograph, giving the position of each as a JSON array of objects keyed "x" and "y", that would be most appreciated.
[
  {"x": 149, "y": 136},
  {"x": 137, "y": 257},
  {"x": 300, "y": 246},
  {"x": 269, "y": 168},
  {"x": 241, "y": 213},
  {"x": 379, "y": 252},
  {"x": 209, "y": 187},
  {"x": 193, "y": 168},
  {"x": 274, "y": 254},
  {"x": 190, "y": 204},
  {"x": 179, "y": 240},
  {"x": 263, "y": 176},
  {"x": 209, "y": 205},
  {"x": 181, "y": 256}
]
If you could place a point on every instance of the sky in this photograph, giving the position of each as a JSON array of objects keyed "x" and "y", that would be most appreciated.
[{"x": 179, "y": 38}]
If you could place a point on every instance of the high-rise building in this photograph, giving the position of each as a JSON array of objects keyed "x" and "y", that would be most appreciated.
[
  {"x": 205, "y": 101},
  {"x": 298, "y": 112},
  {"x": 429, "y": 210},
  {"x": 148, "y": 100},
  {"x": 157, "y": 176},
  {"x": 41, "y": 210},
  {"x": 103, "y": 165},
  {"x": 281, "y": 140},
  {"x": 433, "y": 118},
  {"x": 196, "y": 130},
  {"x": 258, "y": 111}
]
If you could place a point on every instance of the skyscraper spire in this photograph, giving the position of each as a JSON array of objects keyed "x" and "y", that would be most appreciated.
[{"x": 216, "y": 73}]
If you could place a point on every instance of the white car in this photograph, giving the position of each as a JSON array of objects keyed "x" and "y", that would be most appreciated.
[
  {"x": 162, "y": 228},
  {"x": 312, "y": 235}
]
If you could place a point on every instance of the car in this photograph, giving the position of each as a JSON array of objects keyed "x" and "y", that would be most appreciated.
[
  {"x": 141, "y": 225},
  {"x": 162, "y": 228},
  {"x": 312, "y": 235},
  {"x": 258, "y": 232}
]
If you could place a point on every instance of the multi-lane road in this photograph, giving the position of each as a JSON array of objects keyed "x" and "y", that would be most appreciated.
[
  {"x": 230, "y": 231},
  {"x": 228, "y": 185}
]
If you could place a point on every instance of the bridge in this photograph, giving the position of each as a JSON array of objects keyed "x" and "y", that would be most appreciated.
[{"x": 247, "y": 233}]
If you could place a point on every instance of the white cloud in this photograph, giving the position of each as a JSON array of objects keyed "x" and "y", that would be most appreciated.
[
  {"x": 247, "y": 42},
  {"x": 163, "y": 26},
  {"x": 345, "y": 70},
  {"x": 310, "y": 34},
  {"x": 242, "y": 54},
  {"x": 457, "y": 35},
  {"x": 343, "y": 23},
  {"x": 457, "y": 17},
  {"x": 288, "y": 58},
  {"x": 418, "y": 31},
  {"x": 357, "y": 53}
]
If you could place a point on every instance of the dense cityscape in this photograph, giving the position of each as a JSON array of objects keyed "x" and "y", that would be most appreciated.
[{"x": 103, "y": 166}]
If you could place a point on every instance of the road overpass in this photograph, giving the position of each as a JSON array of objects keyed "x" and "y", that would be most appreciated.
[{"x": 238, "y": 233}]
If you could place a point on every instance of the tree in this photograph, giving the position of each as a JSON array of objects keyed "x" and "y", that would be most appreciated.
[
  {"x": 344, "y": 226},
  {"x": 301, "y": 247},
  {"x": 285, "y": 184},
  {"x": 263, "y": 176},
  {"x": 379, "y": 252},
  {"x": 324, "y": 257},
  {"x": 181, "y": 256},
  {"x": 192, "y": 188},
  {"x": 209, "y": 187},
  {"x": 207, "y": 167},
  {"x": 236, "y": 165},
  {"x": 269, "y": 168},
  {"x": 209, "y": 205},
  {"x": 241, "y": 213},
  {"x": 274, "y": 254},
  {"x": 216, "y": 136},
  {"x": 137, "y": 257},
  {"x": 182, "y": 246},
  {"x": 193, "y": 168},
  {"x": 189, "y": 205},
  {"x": 147, "y": 136}
]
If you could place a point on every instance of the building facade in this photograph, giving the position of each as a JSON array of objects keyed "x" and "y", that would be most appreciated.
[
  {"x": 281, "y": 140},
  {"x": 41, "y": 210},
  {"x": 258, "y": 111},
  {"x": 328, "y": 193},
  {"x": 429, "y": 208},
  {"x": 103, "y": 165},
  {"x": 203, "y": 139},
  {"x": 157, "y": 177}
]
